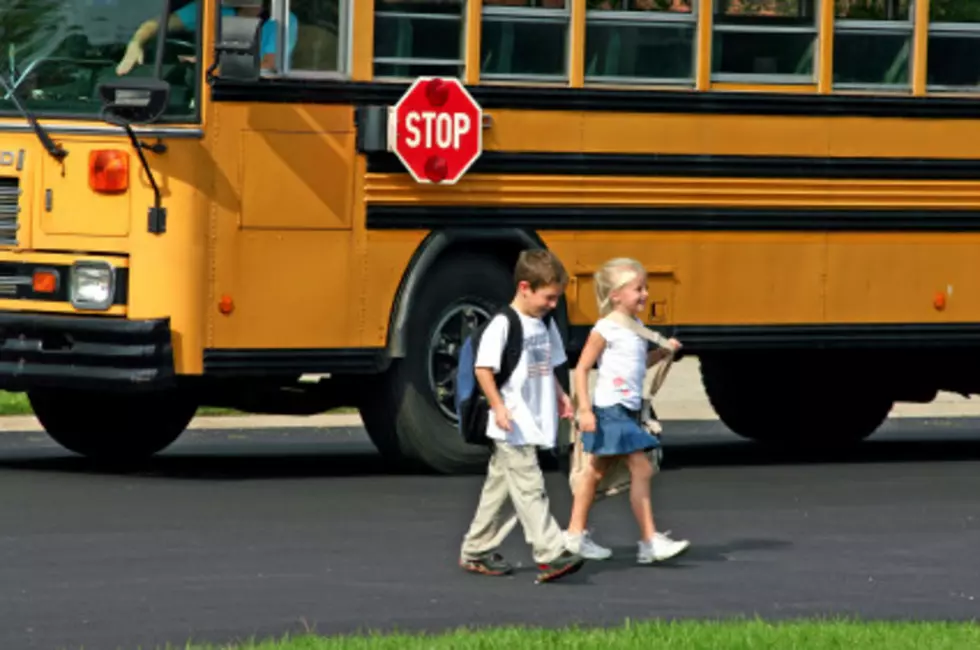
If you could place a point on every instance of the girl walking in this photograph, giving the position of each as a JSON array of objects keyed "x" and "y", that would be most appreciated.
[{"x": 611, "y": 430}]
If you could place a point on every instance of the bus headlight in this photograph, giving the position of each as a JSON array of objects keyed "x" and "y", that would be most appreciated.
[{"x": 92, "y": 285}]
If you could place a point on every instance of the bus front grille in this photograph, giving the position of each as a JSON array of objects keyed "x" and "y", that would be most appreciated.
[{"x": 9, "y": 210}]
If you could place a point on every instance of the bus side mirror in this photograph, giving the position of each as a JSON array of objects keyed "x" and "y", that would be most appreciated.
[
  {"x": 237, "y": 52},
  {"x": 129, "y": 100}
]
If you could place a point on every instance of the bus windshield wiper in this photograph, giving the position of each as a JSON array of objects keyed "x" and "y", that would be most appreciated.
[{"x": 57, "y": 151}]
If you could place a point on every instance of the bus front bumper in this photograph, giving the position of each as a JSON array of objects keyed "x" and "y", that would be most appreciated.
[{"x": 54, "y": 351}]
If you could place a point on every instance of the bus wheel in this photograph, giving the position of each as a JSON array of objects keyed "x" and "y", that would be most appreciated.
[
  {"x": 798, "y": 403},
  {"x": 112, "y": 426},
  {"x": 410, "y": 414}
]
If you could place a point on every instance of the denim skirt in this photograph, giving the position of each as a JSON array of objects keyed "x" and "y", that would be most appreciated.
[{"x": 617, "y": 433}]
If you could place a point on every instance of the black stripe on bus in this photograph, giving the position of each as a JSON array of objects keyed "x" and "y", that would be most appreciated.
[
  {"x": 237, "y": 362},
  {"x": 709, "y": 166},
  {"x": 697, "y": 339},
  {"x": 710, "y": 219},
  {"x": 873, "y": 336},
  {"x": 308, "y": 91}
]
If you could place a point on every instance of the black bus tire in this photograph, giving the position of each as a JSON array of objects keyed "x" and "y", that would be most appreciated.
[
  {"x": 401, "y": 413},
  {"x": 113, "y": 426}
]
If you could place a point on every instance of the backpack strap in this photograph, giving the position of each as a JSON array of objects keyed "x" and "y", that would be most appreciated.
[
  {"x": 514, "y": 346},
  {"x": 631, "y": 324}
]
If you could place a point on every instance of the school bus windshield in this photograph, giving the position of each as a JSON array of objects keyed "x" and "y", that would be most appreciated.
[{"x": 55, "y": 53}]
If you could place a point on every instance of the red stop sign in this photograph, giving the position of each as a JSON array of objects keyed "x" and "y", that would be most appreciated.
[{"x": 437, "y": 130}]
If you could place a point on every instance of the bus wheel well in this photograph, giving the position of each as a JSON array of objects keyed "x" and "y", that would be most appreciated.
[{"x": 502, "y": 244}]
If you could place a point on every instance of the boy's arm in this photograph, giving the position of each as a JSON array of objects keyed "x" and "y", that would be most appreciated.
[
  {"x": 559, "y": 389},
  {"x": 558, "y": 359},
  {"x": 565, "y": 408},
  {"x": 484, "y": 377},
  {"x": 488, "y": 357},
  {"x": 501, "y": 415}
]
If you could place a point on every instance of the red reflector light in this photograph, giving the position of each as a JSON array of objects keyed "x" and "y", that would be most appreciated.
[{"x": 108, "y": 170}]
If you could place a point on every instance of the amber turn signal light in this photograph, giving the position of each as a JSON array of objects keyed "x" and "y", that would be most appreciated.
[
  {"x": 45, "y": 281},
  {"x": 108, "y": 170}
]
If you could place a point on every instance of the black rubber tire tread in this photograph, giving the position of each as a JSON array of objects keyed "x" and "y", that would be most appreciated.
[
  {"x": 792, "y": 402},
  {"x": 113, "y": 426},
  {"x": 399, "y": 412}
]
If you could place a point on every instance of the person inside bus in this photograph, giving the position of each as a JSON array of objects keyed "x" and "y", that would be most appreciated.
[{"x": 184, "y": 19}]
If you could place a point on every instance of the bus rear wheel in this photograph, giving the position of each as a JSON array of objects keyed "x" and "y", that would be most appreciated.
[
  {"x": 409, "y": 411},
  {"x": 113, "y": 426},
  {"x": 794, "y": 402}
]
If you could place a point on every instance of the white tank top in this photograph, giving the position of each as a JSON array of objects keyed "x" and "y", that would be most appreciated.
[{"x": 622, "y": 367}]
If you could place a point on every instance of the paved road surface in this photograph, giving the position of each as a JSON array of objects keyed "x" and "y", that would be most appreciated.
[{"x": 242, "y": 533}]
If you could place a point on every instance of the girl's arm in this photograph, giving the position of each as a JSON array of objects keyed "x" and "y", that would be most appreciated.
[
  {"x": 659, "y": 353},
  {"x": 586, "y": 361}
]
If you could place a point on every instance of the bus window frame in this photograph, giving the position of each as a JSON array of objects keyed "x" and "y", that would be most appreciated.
[
  {"x": 748, "y": 79},
  {"x": 393, "y": 60},
  {"x": 516, "y": 14},
  {"x": 613, "y": 18},
  {"x": 905, "y": 27},
  {"x": 943, "y": 29},
  {"x": 279, "y": 10}
]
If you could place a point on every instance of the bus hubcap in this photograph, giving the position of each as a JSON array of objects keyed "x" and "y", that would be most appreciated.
[{"x": 447, "y": 339}]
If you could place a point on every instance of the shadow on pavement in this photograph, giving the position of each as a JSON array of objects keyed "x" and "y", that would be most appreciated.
[
  {"x": 310, "y": 456},
  {"x": 624, "y": 557},
  {"x": 217, "y": 467},
  {"x": 741, "y": 454}
]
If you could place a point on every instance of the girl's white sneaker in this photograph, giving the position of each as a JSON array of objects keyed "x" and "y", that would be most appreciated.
[
  {"x": 584, "y": 545},
  {"x": 660, "y": 548}
]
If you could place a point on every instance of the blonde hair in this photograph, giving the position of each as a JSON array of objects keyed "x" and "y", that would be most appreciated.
[{"x": 613, "y": 275}]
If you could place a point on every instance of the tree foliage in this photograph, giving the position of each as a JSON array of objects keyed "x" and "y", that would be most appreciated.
[
  {"x": 954, "y": 11},
  {"x": 28, "y": 27},
  {"x": 939, "y": 10}
]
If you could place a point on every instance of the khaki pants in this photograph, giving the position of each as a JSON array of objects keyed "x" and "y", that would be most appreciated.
[{"x": 514, "y": 483}]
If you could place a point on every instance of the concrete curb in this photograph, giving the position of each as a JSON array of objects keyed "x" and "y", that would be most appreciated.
[{"x": 681, "y": 398}]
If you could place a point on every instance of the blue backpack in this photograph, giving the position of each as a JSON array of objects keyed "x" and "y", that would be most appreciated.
[{"x": 472, "y": 406}]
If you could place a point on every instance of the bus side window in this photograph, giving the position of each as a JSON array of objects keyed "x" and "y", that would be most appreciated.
[
  {"x": 954, "y": 46},
  {"x": 873, "y": 44},
  {"x": 316, "y": 31},
  {"x": 525, "y": 39},
  {"x": 640, "y": 41},
  {"x": 772, "y": 42},
  {"x": 418, "y": 38}
]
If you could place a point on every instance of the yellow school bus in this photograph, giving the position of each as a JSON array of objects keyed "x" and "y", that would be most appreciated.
[{"x": 198, "y": 205}]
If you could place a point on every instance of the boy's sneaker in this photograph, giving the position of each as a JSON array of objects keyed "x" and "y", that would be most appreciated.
[
  {"x": 564, "y": 565},
  {"x": 660, "y": 548},
  {"x": 491, "y": 565},
  {"x": 585, "y": 546}
]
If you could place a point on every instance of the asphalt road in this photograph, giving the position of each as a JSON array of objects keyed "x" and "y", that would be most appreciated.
[{"x": 258, "y": 533}]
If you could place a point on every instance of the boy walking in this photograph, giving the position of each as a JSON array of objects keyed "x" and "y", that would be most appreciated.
[{"x": 524, "y": 418}]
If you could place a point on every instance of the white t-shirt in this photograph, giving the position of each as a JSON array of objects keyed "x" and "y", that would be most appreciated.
[
  {"x": 530, "y": 393},
  {"x": 622, "y": 367}
]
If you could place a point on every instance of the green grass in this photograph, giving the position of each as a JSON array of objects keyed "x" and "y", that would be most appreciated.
[
  {"x": 685, "y": 635},
  {"x": 14, "y": 404},
  {"x": 17, "y": 404}
]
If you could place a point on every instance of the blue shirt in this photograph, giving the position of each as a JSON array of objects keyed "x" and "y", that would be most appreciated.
[{"x": 268, "y": 37}]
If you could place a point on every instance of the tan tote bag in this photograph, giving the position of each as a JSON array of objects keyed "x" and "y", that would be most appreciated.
[{"x": 617, "y": 478}]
